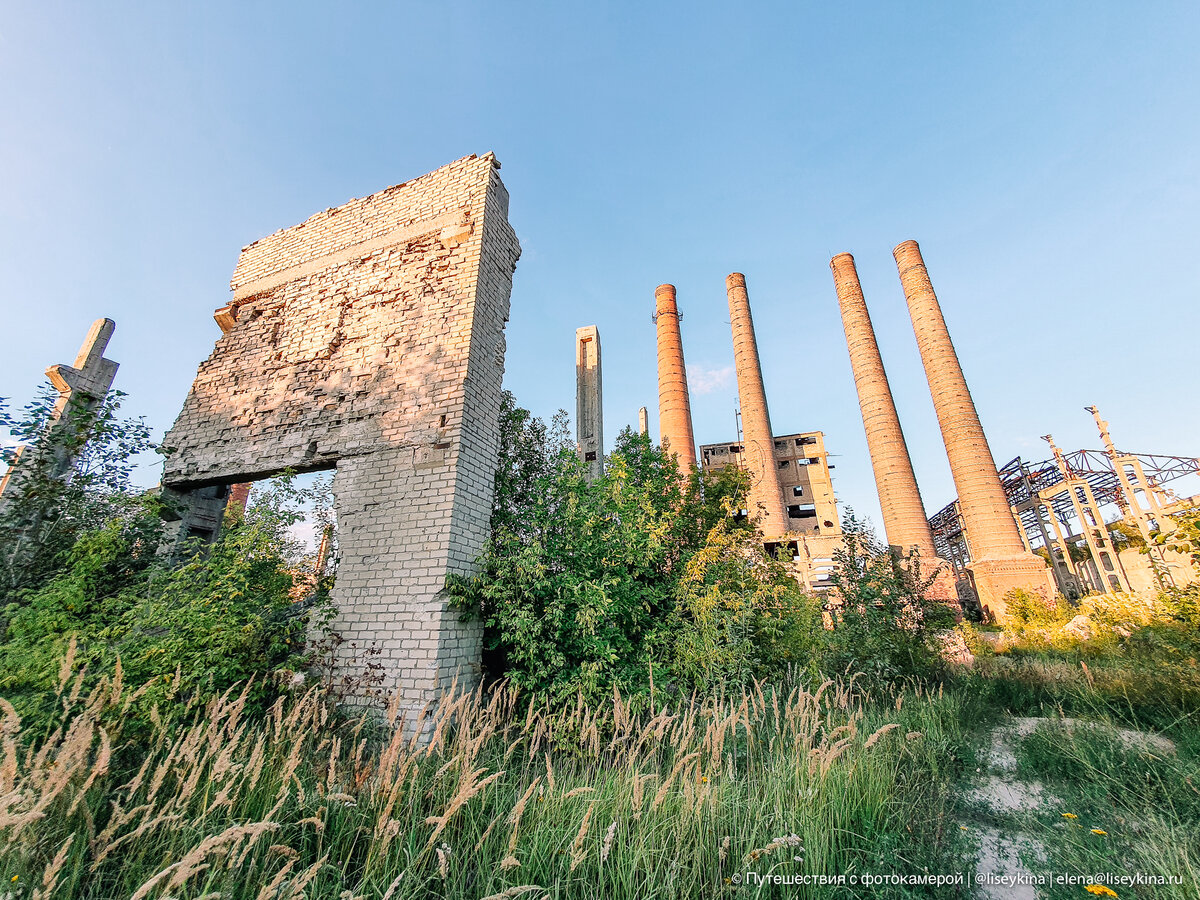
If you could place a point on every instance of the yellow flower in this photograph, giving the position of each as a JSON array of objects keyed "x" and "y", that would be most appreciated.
[
  {"x": 1098, "y": 831},
  {"x": 15, "y": 877},
  {"x": 963, "y": 827},
  {"x": 1070, "y": 816},
  {"x": 703, "y": 779},
  {"x": 1100, "y": 890}
]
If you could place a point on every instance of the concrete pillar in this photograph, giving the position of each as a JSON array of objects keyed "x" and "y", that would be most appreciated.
[
  {"x": 674, "y": 404},
  {"x": 589, "y": 401},
  {"x": 643, "y": 420},
  {"x": 81, "y": 388},
  {"x": 765, "y": 499},
  {"x": 999, "y": 560},
  {"x": 1131, "y": 509}
]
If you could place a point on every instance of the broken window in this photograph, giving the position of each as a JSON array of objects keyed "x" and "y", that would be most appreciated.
[
  {"x": 783, "y": 463},
  {"x": 802, "y": 511},
  {"x": 797, "y": 490}
]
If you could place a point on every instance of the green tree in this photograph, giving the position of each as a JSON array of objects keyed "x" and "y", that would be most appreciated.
[
  {"x": 44, "y": 510},
  {"x": 883, "y": 622},
  {"x": 585, "y": 585}
]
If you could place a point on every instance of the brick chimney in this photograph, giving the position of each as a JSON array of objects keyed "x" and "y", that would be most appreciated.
[
  {"x": 999, "y": 560},
  {"x": 766, "y": 501},
  {"x": 674, "y": 405}
]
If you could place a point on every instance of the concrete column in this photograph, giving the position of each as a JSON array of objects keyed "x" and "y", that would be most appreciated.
[
  {"x": 766, "y": 501},
  {"x": 589, "y": 401},
  {"x": 674, "y": 404},
  {"x": 643, "y": 420},
  {"x": 999, "y": 560},
  {"x": 81, "y": 388}
]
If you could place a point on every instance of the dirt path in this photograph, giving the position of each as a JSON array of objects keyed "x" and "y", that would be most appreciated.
[
  {"x": 1001, "y": 802},
  {"x": 1000, "y": 798}
]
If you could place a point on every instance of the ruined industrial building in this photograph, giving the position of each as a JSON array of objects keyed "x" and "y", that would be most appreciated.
[{"x": 369, "y": 340}]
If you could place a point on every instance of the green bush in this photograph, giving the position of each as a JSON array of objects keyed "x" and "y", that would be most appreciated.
[
  {"x": 1031, "y": 608},
  {"x": 883, "y": 623},
  {"x": 639, "y": 577},
  {"x": 222, "y": 616}
]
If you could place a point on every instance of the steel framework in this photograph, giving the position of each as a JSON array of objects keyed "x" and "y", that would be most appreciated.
[{"x": 1024, "y": 480}]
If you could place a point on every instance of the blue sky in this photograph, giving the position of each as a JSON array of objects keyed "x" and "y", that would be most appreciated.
[{"x": 1044, "y": 155}]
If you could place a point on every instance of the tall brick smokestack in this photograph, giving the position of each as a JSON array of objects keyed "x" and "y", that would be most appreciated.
[
  {"x": 757, "y": 438},
  {"x": 904, "y": 518},
  {"x": 674, "y": 404},
  {"x": 999, "y": 560}
]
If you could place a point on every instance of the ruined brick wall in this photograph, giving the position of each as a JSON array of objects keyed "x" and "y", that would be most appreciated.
[{"x": 371, "y": 336}]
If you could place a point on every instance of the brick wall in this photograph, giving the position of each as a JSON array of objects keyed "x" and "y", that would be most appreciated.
[{"x": 371, "y": 337}]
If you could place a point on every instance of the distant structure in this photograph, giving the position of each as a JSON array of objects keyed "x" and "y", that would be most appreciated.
[
  {"x": 674, "y": 403},
  {"x": 589, "y": 400},
  {"x": 1000, "y": 559},
  {"x": 803, "y": 481},
  {"x": 81, "y": 388},
  {"x": 643, "y": 421},
  {"x": 904, "y": 519},
  {"x": 758, "y": 455},
  {"x": 1087, "y": 553},
  {"x": 804, "y": 486},
  {"x": 370, "y": 339}
]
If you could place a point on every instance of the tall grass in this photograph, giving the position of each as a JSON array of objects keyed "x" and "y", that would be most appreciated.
[{"x": 484, "y": 795}]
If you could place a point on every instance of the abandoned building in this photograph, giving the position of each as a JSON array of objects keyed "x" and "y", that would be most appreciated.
[
  {"x": 805, "y": 488},
  {"x": 802, "y": 470},
  {"x": 1090, "y": 514},
  {"x": 369, "y": 339}
]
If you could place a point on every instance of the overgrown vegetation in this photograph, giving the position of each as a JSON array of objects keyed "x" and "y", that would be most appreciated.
[
  {"x": 89, "y": 583},
  {"x": 656, "y": 722},
  {"x": 500, "y": 794},
  {"x": 638, "y": 578}
]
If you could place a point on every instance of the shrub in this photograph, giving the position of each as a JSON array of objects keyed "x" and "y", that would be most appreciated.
[
  {"x": 223, "y": 616},
  {"x": 883, "y": 623},
  {"x": 1031, "y": 608}
]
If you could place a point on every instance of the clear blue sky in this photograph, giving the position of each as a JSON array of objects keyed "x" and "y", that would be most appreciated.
[{"x": 1044, "y": 155}]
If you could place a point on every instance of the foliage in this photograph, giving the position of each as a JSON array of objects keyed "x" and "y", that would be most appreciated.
[
  {"x": 586, "y": 586},
  {"x": 883, "y": 624},
  {"x": 221, "y": 616},
  {"x": 47, "y": 503},
  {"x": 1031, "y": 608},
  {"x": 742, "y": 615},
  {"x": 1185, "y": 538}
]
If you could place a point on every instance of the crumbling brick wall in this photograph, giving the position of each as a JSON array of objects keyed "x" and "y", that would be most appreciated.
[{"x": 371, "y": 337}]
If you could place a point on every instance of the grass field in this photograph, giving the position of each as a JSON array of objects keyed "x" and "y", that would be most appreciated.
[{"x": 490, "y": 795}]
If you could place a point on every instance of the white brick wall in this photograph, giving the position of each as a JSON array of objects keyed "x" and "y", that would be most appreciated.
[{"x": 371, "y": 336}]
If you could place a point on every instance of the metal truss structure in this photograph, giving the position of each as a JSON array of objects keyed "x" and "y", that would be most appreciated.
[{"x": 1024, "y": 481}]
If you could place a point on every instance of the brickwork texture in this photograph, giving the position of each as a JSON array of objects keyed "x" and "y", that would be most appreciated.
[{"x": 371, "y": 338}]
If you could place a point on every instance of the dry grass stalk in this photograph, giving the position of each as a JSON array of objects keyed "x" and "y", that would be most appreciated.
[
  {"x": 469, "y": 788},
  {"x": 53, "y": 870},
  {"x": 606, "y": 848},
  {"x": 514, "y": 817},
  {"x": 514, "y": 892},
  {"x": 666, "y": 785},
  {"x": 879, "y": 734},
  {"x": 578, "y": 854}
]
